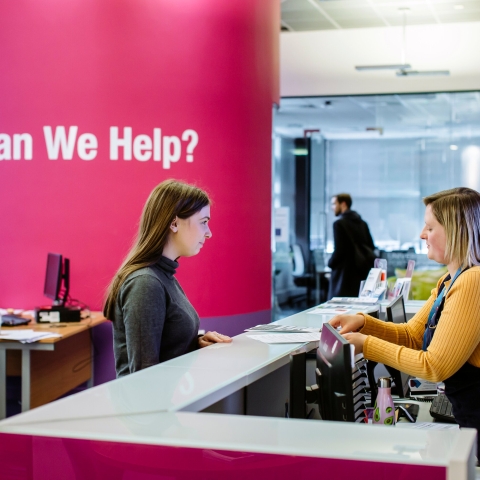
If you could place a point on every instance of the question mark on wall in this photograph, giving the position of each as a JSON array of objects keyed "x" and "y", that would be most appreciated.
[{"x": 190, "y": 136}]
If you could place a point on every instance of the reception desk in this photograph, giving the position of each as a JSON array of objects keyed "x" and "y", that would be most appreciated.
[{"x": 216, "y": 413}]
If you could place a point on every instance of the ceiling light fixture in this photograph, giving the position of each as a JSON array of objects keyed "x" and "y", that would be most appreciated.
[
  {"x": 458, "y": 7},
  {"x": 375, "y": 129},
  {"x": 454, "y": 147},
  {"x": 424, "y": 73},
  {"x": 397, "y": 66},
  {"x": 404, "y": 68}
]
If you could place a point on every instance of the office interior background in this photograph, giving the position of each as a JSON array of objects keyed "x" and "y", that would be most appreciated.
[
  {"x": 388, "y": 137},
  {"x": 215, "y": 67},
  {"x": 88, "y": 209}
]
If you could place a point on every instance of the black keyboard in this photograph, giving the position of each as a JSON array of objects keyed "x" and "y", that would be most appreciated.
[
  {"x": 9, "y": 320},
  {"x": 441, "y": 409}
]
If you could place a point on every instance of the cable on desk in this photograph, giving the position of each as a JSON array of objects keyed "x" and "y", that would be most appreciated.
[{"x": 73, "y": 302}]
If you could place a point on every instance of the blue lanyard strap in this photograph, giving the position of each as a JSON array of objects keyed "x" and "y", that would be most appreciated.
[{"x": 436, "y": 310}]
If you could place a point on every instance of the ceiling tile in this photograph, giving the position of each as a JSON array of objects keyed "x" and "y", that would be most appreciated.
[
  {"x": 360, "y": 22},
  {"x": 308, "y": 25},
  {"x": 300, "y": 16},
  {"x": 340, "y": 13},
  {"x": 461, "y": 17},
  {"x": 374, "y": 13}
]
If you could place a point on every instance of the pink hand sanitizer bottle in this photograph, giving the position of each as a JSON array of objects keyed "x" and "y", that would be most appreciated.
[{"x": 384, "y": 410}]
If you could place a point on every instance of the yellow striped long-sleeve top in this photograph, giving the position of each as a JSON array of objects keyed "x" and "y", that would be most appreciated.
[{"x": 456, "y": 339}]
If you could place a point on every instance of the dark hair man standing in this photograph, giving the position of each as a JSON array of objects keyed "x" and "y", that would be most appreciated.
[{"x": 353, "y": 254}]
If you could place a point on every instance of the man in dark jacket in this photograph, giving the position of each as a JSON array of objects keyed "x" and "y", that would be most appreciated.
[{"x": 353, "y": 254}]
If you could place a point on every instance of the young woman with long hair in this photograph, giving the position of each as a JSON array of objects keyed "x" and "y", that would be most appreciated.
[{"x": 153, "y": 321}]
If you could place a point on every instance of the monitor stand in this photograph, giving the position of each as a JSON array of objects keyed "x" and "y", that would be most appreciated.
[{"x": 57, "y": 314}]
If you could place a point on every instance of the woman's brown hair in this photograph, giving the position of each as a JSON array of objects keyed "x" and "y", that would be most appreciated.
[
  {"x": 168, "y": 200},
  {"x": 458, "y": 211}
]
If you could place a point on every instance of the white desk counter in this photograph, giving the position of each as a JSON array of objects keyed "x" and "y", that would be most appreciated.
[{"x": 146, "y": 425}]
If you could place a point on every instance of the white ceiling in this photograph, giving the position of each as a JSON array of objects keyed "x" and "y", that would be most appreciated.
[
  {"x": 304, "y": 15},
  {"x": 323, "y": 62},
  {"x": 430, "y": 115}
]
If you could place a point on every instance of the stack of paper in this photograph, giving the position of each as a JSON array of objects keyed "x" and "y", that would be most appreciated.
[
  {"x": 338, "y": 308},
  {"x": 27, "y": 335},
  {"x": 277, "y": 328}
]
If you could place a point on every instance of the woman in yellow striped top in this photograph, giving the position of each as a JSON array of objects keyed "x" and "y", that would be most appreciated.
[{"x": 442, "y": 341}]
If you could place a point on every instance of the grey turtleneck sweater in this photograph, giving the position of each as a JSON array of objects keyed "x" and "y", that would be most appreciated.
[{"x": 154, "y": 321}]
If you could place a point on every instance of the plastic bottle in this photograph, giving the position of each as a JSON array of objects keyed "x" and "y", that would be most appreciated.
[{"x": 384, "y": 410}]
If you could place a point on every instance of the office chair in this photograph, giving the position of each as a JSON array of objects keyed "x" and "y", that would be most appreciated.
[
  {"x": 301, "y": 277},
  {"x": 322, "y": 273}
]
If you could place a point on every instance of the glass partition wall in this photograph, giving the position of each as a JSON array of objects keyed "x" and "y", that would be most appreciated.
[{"x": 387, "y": 152}]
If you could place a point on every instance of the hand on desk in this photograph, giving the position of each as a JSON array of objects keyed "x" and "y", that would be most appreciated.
[
  {"x": 212, "y": 337},
  {"x": 350, "y": 324}
]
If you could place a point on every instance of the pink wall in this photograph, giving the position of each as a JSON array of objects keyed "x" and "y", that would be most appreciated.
[{"x": 210, "y": 66}]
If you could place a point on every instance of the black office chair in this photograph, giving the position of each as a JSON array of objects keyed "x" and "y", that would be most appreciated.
[
  {"x": 301, "y": 276},
  {"x": 322, "y": 276}
]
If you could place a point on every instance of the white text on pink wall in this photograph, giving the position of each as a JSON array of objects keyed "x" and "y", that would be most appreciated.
[{"x": 62, "y": 144}]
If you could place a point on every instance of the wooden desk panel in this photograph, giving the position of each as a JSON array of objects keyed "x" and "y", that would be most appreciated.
[
  {"x": 54, "y": 373},
  {"x": 14, "y": 363}
]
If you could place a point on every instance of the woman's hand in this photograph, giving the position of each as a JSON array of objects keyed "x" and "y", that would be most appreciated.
[
  {"x": 357, "y": 340},
  {"x": 212, "y": 337},
  {"x": 348, "y": 323}
]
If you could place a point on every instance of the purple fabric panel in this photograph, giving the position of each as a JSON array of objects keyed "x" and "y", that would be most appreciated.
[
  {"x": 104, "y": 362},
  {"x": 42, "y": 458},
  {"x": 235, "y": 324}
]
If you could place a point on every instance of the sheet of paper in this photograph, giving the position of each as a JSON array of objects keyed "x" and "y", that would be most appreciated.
[
  {"x": 337, "y": 309},
  {"x": 431, "y": 426},
  {"x": 329, "y": 310},
  {"x": 16, "y": 311},
  {"x": 27, "y": 335},
  {"x": 354, "y": 300},
  {"x": 287, "y": 337},
  {"x": 276, "y": 328}
]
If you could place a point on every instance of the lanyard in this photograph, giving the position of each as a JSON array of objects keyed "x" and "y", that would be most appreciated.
[{"x": 436, "y": 310}]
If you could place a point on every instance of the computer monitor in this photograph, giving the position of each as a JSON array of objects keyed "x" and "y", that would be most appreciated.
[
  {"x": 396, "y": 311},
  {"x": 57, "y": 273},
  {"x": 335, "y": 360}
]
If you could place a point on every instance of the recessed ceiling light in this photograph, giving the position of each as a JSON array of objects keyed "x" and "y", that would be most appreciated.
[
  {"x": 404, "y": 10},
  {"x": 453, "y": 147},
  {"x": 458, "y": 7}
]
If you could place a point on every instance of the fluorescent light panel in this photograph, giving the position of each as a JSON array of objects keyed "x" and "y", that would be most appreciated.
[
  {"x": 362, "y": 68},
  {"x": 426, "y": 73}
]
